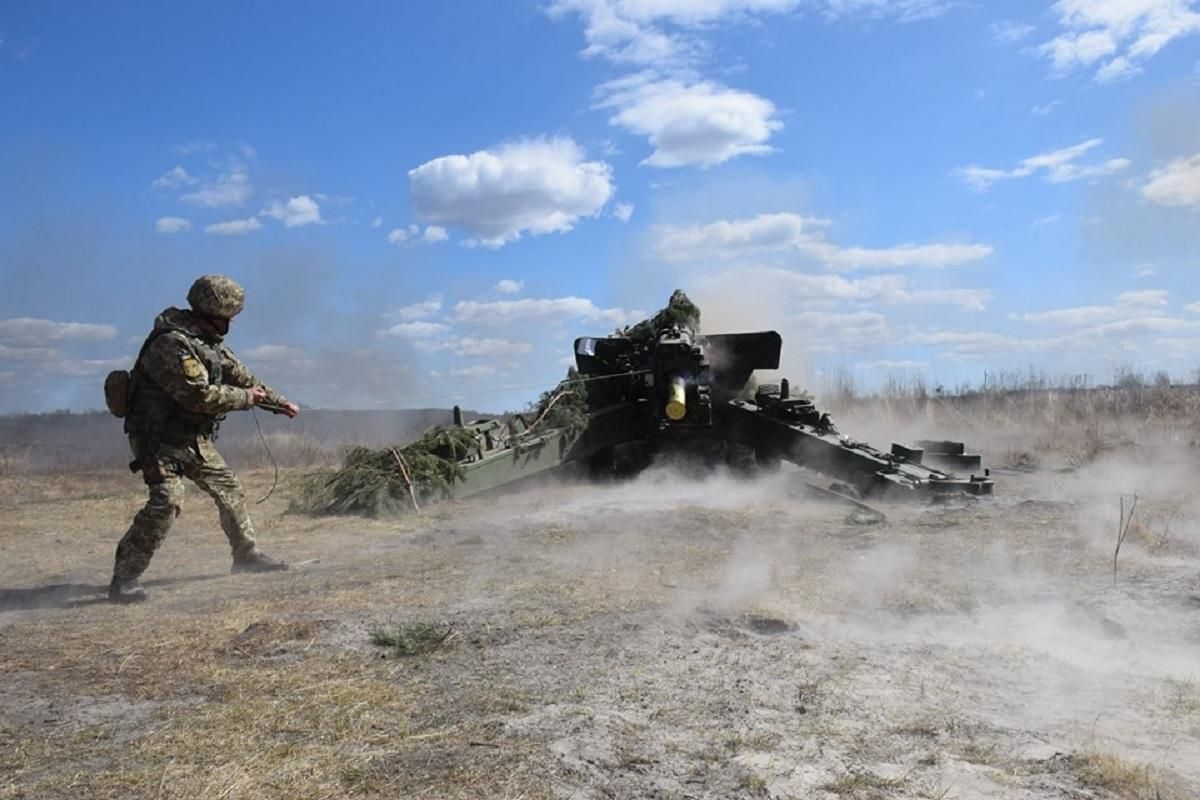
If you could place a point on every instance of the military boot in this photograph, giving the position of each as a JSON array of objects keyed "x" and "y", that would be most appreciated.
[
  {"x": 257, "y": 562},
  {"x": 127, "y": 591}
]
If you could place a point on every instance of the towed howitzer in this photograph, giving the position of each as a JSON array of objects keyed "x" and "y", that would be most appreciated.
[
  {"x": 657, "y": 388},
  {"x": 689, "y": 391},
  {"x": 680, "y": 391}
]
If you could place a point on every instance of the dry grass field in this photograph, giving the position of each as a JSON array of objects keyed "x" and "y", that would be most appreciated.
[{"x": 673, "y": 636}]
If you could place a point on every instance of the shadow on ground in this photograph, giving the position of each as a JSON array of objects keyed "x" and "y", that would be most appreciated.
[{"x": 73, "y": 595}]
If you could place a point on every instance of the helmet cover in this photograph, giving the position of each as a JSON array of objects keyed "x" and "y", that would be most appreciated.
[{"x": 217, "y": 296}]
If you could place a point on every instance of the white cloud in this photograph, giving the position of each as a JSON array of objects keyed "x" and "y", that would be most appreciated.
[
  {"x": 978, "y": 344},
  {"x": 174, "y": 178},
  {"x": 1111, "y": 339},
  {"x": 40, "y": 354},
  {"x": 802, "y": 289},
  {"x": 1176, "y": 184},
  {"x": 903, "y": 255},
  {"x": 1143, "y": 297},
  {"x": 1009, "y": 32},
  {"x": 902, "y": 10},
  {"x": 1192, "y": 307},
  {"x": 228, "y": 189},
  {"x": 1145, "y": 271},
  {"x": 296, "y": 212},
  {"x": 620, "y": 33},
  {"x": 234, "y": 227},
  {"x": 431, "y": 235},
  {"x": 472, "y": 372},
  {"x": 501, "y": 311},
  {"x": 536, "y": 186},
  {"x": 735, "y": 238},
  {"x": 691, "y": 12},
  {"x": 428, "y": 307},
  {"x": 690, "y": 123},
  {"x": 31, "y": 332},
  {"x": 634, "y": 31},
  {"x": 172, "y": 225},
  {"x": 1142, "y": 325},
  {"x": 1070, "y": 317},
  {"x": 1116, "y": 36},
  {"x": 471, "y": 346},
  {"x": 378, "y": 221},
  {"x": 416, "y": 330},
  {"x": 666, "y": 33},
  {"x": 623, "y": 211},
  {"x": 792, "y": 233},
  {"x": 508, "y": 286},
  {"x": 1128, "y": 304},
  {"x": 851, "y": 330},
  {"x": 401, "y": 235},
  {"x": 1057, "y": 166},
  {"x": 1046, "y": 108},
  {"x": 966, "y": 299}
]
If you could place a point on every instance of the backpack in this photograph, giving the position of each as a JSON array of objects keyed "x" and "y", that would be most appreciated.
[
  {"x": 118, "y": 384},
  {"x": 116, "y": 392}
]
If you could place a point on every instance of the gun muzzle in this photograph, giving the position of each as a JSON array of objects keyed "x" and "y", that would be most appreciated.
[{"x": 676, "y": 399}]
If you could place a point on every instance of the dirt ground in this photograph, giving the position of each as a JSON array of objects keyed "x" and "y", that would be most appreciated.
[{"x": 667, "y": 637}]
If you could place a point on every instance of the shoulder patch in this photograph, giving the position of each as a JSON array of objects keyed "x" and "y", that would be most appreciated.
[{"x": 191, "y": 367}]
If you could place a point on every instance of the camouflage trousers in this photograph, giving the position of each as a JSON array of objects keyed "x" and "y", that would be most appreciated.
[{"x": 203, "y": 465}]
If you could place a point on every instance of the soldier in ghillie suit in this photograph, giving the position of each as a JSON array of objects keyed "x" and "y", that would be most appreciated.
[{"x": 184, "y": 381}]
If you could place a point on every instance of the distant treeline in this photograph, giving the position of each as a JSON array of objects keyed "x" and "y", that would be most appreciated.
[
  {"x": 93, "y": 440},
  {"x": 838, "y": 390}
]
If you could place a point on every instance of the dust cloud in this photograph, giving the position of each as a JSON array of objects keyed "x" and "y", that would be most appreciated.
[{"x": 997, "y": 615}]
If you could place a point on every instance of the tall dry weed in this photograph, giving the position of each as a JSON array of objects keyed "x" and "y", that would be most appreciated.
[{"x": 1026, "y": 415}]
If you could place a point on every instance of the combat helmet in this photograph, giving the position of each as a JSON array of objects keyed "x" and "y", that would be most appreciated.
[{"x": 217, "y": 296}]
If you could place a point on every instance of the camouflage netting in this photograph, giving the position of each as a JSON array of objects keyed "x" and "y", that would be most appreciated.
[
  {"x": 565, "y": 406},
  {"x": 680, "y": 311},
  {"x": 374, "y": 482}
]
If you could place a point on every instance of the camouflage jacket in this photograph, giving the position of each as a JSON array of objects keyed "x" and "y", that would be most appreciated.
[{"x": 180, "y": 359}]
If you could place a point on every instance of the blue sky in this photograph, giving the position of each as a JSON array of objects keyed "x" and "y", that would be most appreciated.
[{"x": 427, "y": 202}]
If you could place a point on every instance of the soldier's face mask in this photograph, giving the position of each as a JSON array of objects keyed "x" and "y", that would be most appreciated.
[{"x": 220, "y": 325}]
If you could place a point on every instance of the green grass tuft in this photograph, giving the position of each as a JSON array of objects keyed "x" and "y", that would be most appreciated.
[{"x": 411, "y": 638}]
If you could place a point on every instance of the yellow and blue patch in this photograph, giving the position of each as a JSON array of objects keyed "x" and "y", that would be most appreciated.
[{"x": 192, "y": 368}]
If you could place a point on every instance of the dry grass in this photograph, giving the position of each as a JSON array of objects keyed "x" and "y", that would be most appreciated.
[
  {"x": 1122, "y": 779},
  {"x": 1031, "y": 414},
  {"x": 225, "y": 690},
  {"x": 1182, "y": 697},
  {"x": 863, "y": 786},
  {"x": 228, "y": 709},
  {"x": 252, "y": 687}
]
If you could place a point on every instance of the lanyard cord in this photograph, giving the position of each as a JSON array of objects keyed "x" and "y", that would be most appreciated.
[{"x": 274, "y": 463}]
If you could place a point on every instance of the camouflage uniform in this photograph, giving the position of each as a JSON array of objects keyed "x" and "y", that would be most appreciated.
[{"x": 182, "y": 385}]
